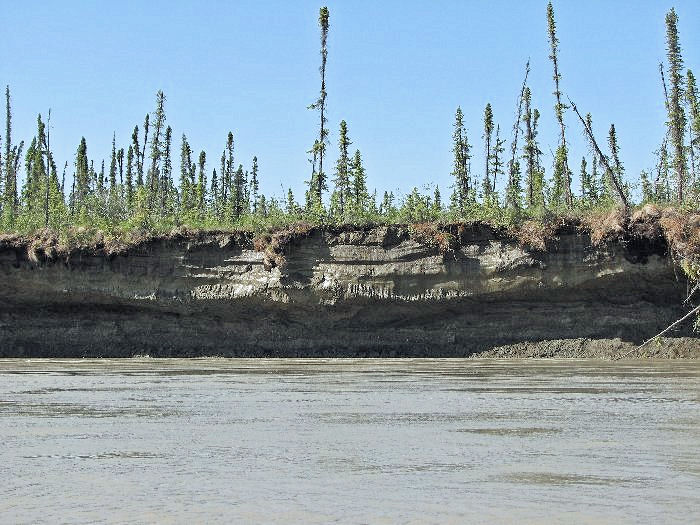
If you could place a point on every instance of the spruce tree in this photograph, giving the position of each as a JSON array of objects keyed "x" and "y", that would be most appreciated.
[
  {"x": 49, "y": 164},
  {"x": 693, "y": 100},
  {"x": 82, "y": 176},
  {"x": 529, "y": 153},
  {"x": 166, "y": 181},
  {"x": 291, "y": 205},
  {"x": 10, "y": 187},
  {"x": 129, "y": 177},
  {"x": 239, "y": 193},
  {"x": 342, "y": 170},
  {"x": 202, "y": 183},
  {"x": 318, "y": 182},
  {"x": 186, "y": 199},
  {"x": 141, "y": 165},
  {"x": 113, "y": 165},
  {"x": 676, "y": 115},
  {"x": 584, "y": 177},
  {"x": 647, "y": 189},
  {"x": 662, "y": 187},
  {"x": 156, "y": 148},
  {"x": 254, "y": 185},
  {"x": 135, "y": 150},
  {"x": 120, "y": 164},
  {"x": 437, "y": 201},
  {"x": 618, "y": 169},
  {"x": 360, "y": 195},
  {"x": 461, "y": 161},
  {"x": 101, "y": 182},
  {"x": 63, "y": 180},
  {"x": 214, "y": 193},
  {"x": 562, "y": 175},
  {"x": 227, "y": 170},
  {"x": 488, "y": 137},
  {"x": 514, "y": 189},
  {"x": 2, "y": 181},
  {"x": 593, "y": 178},
  {"x": 497, "y": 160}
]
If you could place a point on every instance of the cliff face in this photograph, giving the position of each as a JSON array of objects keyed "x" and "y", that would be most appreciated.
[{"x": 339, "y": 293}]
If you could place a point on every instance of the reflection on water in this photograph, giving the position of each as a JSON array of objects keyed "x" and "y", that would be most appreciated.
[{"x": 358, "y": 441}]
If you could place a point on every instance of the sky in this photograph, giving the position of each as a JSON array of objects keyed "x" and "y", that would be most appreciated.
[{"x": 397, "y": 70}]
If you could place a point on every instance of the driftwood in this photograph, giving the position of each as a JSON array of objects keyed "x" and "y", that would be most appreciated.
[{"x": 697, "y": 308}]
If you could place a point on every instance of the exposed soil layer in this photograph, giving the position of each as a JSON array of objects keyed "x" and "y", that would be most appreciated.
[{"x": 420, "y": 291}]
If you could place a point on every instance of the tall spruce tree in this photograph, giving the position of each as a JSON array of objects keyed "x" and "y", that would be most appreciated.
[
  {"x": 10, "y": 186},
  {"x": 254, "y": 185},
  {"x": 136, "y": 150},
  {"x": 186, "y": 191},
  {"x": 318, "y": 179},
  {"x": 167, "y": 187},
  {"x": 202, "y": 183},
  {"x": 120, "y": 164},
  {"x": 562, "y": 174},
  {"x": 129, "y": 177},
  {"x": 141, "y": 169},
  {"x": 156, "y": 148},
  {"x": 214, "y": 194},
  {"x": 113, "y": 165},
  {"x": 461, "y": 167},
  {"x": 618, "y": 169},
  {"x": 488, "y": 138},
  {"x": 227, "y": 169},
  {"x": 676, "y": 114},
  {"x": 530, "y": 147},
  {"x": 693, "y": 100},
  {"x": 497, "y": 160}
]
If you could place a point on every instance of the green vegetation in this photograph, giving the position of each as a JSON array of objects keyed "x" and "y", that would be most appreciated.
[{"x": 137, "y": 192}]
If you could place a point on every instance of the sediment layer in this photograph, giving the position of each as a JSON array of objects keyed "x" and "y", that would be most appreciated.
[{"x": 376, "y": 291}]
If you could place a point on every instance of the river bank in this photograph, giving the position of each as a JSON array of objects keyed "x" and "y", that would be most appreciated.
[{"x": 455, "y": 290}]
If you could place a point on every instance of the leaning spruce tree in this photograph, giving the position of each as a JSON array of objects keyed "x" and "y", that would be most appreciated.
[
  {"x": 514, "y": 189},
  {"x": 676, "y": 115}
]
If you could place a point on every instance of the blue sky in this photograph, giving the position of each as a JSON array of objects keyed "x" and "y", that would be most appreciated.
[{"x": 397, "y": 70}]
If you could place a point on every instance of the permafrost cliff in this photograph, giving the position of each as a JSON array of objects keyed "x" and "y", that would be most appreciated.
[{"x": 345, "y": 292}]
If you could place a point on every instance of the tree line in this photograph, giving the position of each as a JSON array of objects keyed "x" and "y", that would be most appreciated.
[{"x": 138, "y": 187}]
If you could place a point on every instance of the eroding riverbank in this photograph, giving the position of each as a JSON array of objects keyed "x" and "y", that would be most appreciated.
[{"x": 387, "y": 291}]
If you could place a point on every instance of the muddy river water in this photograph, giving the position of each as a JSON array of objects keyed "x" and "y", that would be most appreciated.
[{"x": 349, "y": 441}]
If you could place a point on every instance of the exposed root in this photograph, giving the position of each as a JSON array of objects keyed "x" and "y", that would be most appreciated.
[
  {"x": 431, "y": 235},
  {"x": 535, "y": 234},
  {"x": 275, "y": 245},
  {"x": 606, "y": 227}
]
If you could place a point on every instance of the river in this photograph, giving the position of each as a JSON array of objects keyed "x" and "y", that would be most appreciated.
[{"x": 349, "y": 441}]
